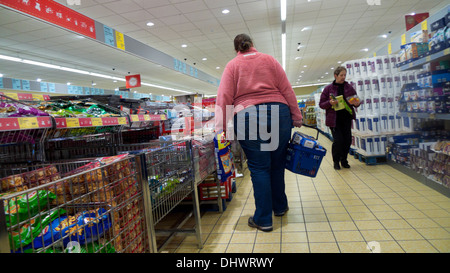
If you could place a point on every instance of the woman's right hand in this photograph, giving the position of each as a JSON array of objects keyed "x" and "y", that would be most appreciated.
[
  {"x": 333, "y": 102},
  {"x": 297, "y": 123}
]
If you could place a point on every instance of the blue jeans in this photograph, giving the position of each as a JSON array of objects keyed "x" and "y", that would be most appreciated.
[{"x": 266, "y": 163}]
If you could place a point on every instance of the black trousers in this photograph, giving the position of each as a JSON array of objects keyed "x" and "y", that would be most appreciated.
[{"x": 342, "y": 139}]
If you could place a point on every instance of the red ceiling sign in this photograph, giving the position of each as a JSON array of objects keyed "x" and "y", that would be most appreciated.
[
  {"x": 55, "y": 13},
  {"x": 133, "y": 81}
]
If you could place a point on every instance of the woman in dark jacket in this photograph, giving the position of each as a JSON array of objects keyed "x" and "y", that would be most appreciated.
[{"x": 340, "y": 122}]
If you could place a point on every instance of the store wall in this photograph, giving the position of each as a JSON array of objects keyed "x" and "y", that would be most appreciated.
[{"x": 307, "y": 90}]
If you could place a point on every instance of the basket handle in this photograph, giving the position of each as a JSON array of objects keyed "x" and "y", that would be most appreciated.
[{"x": 312, "y": 127}]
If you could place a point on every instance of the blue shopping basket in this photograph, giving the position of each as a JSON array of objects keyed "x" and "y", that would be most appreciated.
[{"x": 304, "y": 154}]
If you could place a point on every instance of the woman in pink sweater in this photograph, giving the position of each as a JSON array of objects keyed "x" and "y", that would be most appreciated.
[{"x": 254, "y": 91}]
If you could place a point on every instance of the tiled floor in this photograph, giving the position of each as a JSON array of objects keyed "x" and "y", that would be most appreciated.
[{"x": 357, "y": 210}]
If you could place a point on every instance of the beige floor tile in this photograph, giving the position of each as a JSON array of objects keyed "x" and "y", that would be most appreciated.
[
  {"x": 422, "y": 223},
  {"x": 443, "y": 222},
  {"x": 348, "y": 236},
  {"x": 214, "y": 248},
  {"x": 289, "y": 226},
  {"x": 267, "y": 248},
  {"x": 324, "y": 248},
  {"x": 434, "y": 233},
  {"x": 294, "y": 237},
  {"x": 390, "y": 247},
  {"x": 218, "y": 238},
  {"x": 318, "y": 226},
  {"x": 320, "y": 237},
  {"x": 442, "y": 246},
  {"x": 395, "y": 223},
  {"x": 338, "y": 217},
  {"x": 353, "y": 247},
  {"x": 341, "y": 226},
  {"x": 243, "y": 238},
  {"x": 417, "y": 246},
  {"x": 240, "y": 248},
  {"x": 405, "y": 234},
  {"x": 295, "y": 248},
  {"x": 268, "y": 237},
  {"x": 376, "y": 235}
]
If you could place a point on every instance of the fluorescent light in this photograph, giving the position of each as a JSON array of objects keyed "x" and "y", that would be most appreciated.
[
  {"x": 183, "y": 45},
  {"x": 283, "y": 10},
  {"x": 8, "y": 58},
  {"x": 365, "y": 49},
  {"x": 204, "y": 59},
  {"x": 150, "y": 24},
  {"x": 384, "y": 36},
  {"x": 306, "y": 85},
  {"x": 305, "y": 28},
  {"x": 163, "y": 87},
  {"x": 283, "y": 50},
  {"x": 225, "y": 11},
  {"x": 68, "y": 83},
  {"x": 1, "y": 75},
  {"x": 41, "y": 64},
  {"x": 73, "y": 70},
  {"x": 38, "y": 80},
  {"x": 297, "y": 58}
]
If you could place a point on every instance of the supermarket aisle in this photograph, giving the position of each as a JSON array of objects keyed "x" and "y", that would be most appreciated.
[{"x": 338, "y": 211}]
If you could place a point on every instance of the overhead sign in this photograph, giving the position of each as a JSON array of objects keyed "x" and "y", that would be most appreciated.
[
  {"x": 133, "y": 81},
  {"x": 55, "y": 13}
]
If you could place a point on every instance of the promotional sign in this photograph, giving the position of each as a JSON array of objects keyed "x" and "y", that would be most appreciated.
[
  {"x": 133, "y": 81},
  {"x": 412, "y": 20},
  {"x": 55, "y": 13}
]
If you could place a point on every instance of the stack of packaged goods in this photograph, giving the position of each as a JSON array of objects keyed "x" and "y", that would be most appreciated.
[{"x": 378, "y": 85}]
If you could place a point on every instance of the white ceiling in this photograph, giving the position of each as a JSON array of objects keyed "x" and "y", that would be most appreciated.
[{"x": 337, "y": 31}]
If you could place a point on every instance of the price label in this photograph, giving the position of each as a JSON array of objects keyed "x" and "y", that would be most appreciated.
[
  {"x": 72, "y": 122},
  {"x": 97, "y": 122},
  {"x": 38, "y": 97},
  {"x": 134, "y": 118},
  {"x": 146, "y": 117},
  {"x": 13, "y": 95},
  {"x": 28, "y": 123},
  {"x": 122, "y": 120}
]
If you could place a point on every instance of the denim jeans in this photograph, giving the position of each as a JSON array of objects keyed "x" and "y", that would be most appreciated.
[{"x": 266, "y": 165}]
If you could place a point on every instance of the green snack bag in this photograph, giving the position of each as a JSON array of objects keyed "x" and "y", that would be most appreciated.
[
  {"x": 24, "y": 206},
  {"x": 32, "y": 229}
]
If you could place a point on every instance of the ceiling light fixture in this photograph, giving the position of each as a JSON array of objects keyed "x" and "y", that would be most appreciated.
[
  {"x": 225, "y": 11},
  {"x": 365, "y": 49},
  {"x": 84, "y": 72},
  {"x": 1, "y": 75},
  {"x": 150, "y": 24},
  {"x": 204, "y": 59},
  {"x": 184, "y": 45},
  {"x": 38, "y": 80},
  {"x": 384, "y": 36}
]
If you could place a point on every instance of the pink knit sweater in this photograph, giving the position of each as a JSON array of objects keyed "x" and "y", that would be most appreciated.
[{"x": 253, "y": 78}]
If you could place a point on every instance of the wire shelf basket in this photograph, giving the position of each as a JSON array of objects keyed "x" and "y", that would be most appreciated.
[{"x": 78, "y": 206}]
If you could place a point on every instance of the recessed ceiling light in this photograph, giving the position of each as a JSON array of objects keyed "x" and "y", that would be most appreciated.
[
  {"x": 183, "y": 45},
  {"x": 365, "y": 49},
  {"x": 339, "y": 62},
  {"x": 1, "y": 75},
  {"x": 384, "y": 36},
  {"x": 38, "y": 80},
  {"x": 204, "y": 59},
  {"x": 150, "y": 24},
  {"x": 332, "y": 68},
  {"x": 68, "y": 83},
  {"x": 296, "y": 58},
  {"x": 217, "y": 67},
  {"x": 225, "y": 11},
  {"x": 305, "y": 66}
]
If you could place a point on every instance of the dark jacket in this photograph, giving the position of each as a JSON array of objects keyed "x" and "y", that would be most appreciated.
[{"x": 330, "y": 114}]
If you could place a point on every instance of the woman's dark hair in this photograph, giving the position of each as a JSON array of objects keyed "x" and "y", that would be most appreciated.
[{"x": 242, "y": 43}]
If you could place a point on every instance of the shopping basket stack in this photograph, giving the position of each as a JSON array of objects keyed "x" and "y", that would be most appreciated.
[{"x": 304, "y": 155}]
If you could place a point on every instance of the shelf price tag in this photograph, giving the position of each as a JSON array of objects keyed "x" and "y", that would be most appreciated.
[
  {"x": 424, "y": 25},
  {"x": 122, "y": 120},
  {"x": 28, "y": 123},
  {"x": 404, "y": 39},
  {"x": 134, "y": 118},
  {"x": 72, "y": 122},
  {"x": 97, "y": 122}
]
